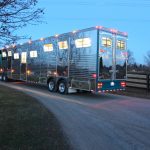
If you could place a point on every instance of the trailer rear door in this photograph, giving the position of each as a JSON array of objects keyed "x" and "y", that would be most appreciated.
[{"x": 112, "y": 57}]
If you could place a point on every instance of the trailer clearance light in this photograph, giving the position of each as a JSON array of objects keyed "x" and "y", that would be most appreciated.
[
  {"x": 41, "y": 39},
  {"x": 94, "y": 75},
  {"x": 30, "y": 42},
  {"x": 28, "y": 72},
  {"x": 123, "y": 84},
  {"x": 125, "y": 33},
  {"x": 74, "y": 31},
  {"x": 1, "y": 70},
  {"x": 114, "y": 31},
  {"x": 56, "y": 35},
  {"x": 12, "y": 70},
  {"x": 99, "y": 27},
  {"x": 100, "y": 85},
  {"x": 55, "y": 73}
]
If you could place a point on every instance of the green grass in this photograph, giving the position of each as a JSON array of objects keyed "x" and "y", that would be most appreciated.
[{"x": 27, "y": 125}]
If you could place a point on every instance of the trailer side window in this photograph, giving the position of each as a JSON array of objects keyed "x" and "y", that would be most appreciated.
[
  {"x": 63, "y": 45},
  {"x": 24, "y": 57},
  {"x": 83, "y": 43},
  {"x": 4, "y": 54},
  {"x": 48, "y": 47},
  {"x": 9, "y": 53},
  {"x": 33, "y": 54},
  {"x": 121, "y": 44},
  {"x": 106, "y": 42},
  {"x": 16, "y": 55}
]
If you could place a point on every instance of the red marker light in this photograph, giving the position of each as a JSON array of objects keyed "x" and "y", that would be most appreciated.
[
  {"x": 125, "y": 33},
  {"x": 94, "y": 75},
  {"x": 114, "y": 31},
  {"x": 102, "y": 51},
  {"x": 100, "y": 85},
  {"x": 123, "y": 84}
]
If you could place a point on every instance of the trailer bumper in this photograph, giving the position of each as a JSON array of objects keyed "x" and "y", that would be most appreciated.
[{"x": 109, "y": 85}]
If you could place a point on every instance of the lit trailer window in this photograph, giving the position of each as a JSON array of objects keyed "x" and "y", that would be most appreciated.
[
  {"x": 121, "y": 44},
  {"x": 16, "y": 55},
  {"x": 48, "y": 47},
  {"x": 83, "y": 43},
  {"x": 106, "y": 41},
  {"x": 63, "y": 45},
  {"x": 33, "y": 54}
]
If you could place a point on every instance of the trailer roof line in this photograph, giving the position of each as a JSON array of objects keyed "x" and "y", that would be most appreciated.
[{"x": 101, "y": 28}]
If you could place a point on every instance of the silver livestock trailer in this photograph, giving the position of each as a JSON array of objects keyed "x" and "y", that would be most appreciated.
[{"x": 93, "y": 59}]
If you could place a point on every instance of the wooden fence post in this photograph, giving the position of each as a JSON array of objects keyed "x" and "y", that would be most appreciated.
[{"x": 148, "y": 82}]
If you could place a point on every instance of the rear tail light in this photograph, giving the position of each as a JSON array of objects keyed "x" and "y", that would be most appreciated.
[
  {"x": 100, "y": 85},
  {"x": 123, "y": 84}
]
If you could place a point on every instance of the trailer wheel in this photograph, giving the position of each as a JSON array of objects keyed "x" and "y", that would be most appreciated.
[
  {"x": 51, "y": 85},
  {"x": 62, "y": 87},
  {"x": 4, "y": 78}
]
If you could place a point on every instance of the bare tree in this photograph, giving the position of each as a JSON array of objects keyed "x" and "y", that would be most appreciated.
[
  {"x": 131, "y": 59},
  {"x": 147, "y": 59},
  {"x": 15, "y": 14}
]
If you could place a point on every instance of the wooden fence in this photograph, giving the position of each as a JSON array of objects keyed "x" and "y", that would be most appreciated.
[{"x": 139, "y": 81}]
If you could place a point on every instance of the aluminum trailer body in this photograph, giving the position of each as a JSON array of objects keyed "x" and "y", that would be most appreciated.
[{"x": 93, "y": 59}]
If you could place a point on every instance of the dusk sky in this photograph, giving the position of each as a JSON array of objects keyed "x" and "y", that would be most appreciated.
[{"x": 67, "y": 15}]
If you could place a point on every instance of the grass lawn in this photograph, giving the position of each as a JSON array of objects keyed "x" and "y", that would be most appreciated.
[{"x": 27, "y": 125}]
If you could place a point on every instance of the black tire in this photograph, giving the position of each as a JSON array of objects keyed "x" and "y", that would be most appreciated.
[
  {"x": 4, "y": 78},
  {"x": 62, "y": 87},
  {"x": 51, "y": 85}
]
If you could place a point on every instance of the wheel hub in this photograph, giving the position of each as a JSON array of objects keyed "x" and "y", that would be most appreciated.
[
  {"x": 51, "y": 86},
  {"x": 61, "y": 87}
]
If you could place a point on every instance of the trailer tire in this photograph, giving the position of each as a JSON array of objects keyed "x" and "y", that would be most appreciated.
[
  {"x": 62, "y": 87},
  {"x": 51, "y": 85},
  {"x": 4, "y": 78}
]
